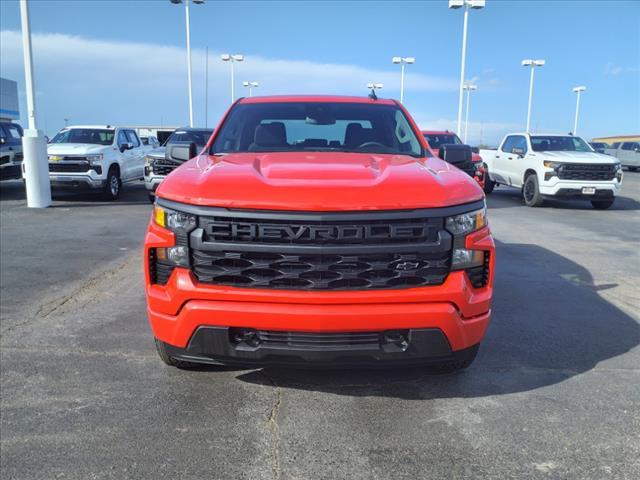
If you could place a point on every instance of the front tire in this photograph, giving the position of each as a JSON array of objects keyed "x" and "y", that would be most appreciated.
[
  {"x": 531, "y": 192},
  {"x": 602, "y": 204},
  {"x": 152, "y": 198},
  {"x": 464, "y": 360},
  {"x": 161, "y": 348},
  {"x": 113, "y": 185},
  {"x": 489, "y": 184}
]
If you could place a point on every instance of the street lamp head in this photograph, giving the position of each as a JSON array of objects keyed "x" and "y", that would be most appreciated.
[
  {"x": 396, "y": 60},
  {"x": 176, "y": 2},
  {"x": 477, "y": 4},
  {"x": 527, "y": 63},
  {"x": 456, "y": 3},
  {"x": 468, "y": 86},
  {"x": 409, "y": 60},
  {"x": 237, "y": 57},
  {"x": 579, "y": 89},
  {"x": 245, "y": 84},
  {"x": 255, "y": 84},
  {"x": 225, "y": 57},
  {"x": 198, "y": 2},
  {"x": 375, "y": 86},
  {"x": 539, "y": 63}
]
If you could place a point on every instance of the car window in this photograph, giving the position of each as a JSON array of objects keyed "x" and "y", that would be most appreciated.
[
  {"x": 520, "y": 143},
  {"x": 12, "y": 132},
  {"x": 508, "y": 143},
  {"x": 559, "y": 143},
  {"x": 92, "y": 136},
  {"x": 199, "y": 137},
  {"x": 122, "y": 138},
  {"x": 436, "y": 140},
  {"x": 629, "y": 145},
  {"x": 318, "y": 126},
  {"x": 133, "y": 138},
  {"x": 615, "y": 145}
]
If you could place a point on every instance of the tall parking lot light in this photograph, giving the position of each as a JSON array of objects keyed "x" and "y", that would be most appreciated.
[
  {"x": 232, "y": 59},
  {"x": 467, "y": 4},
  {"x": 578, "y": 91},
  {"x": 34, "y": 145},
  {"x": 186, "y": 11},
  {"x": 251, "y": 86},
  {"x": 532, "y": 64},
  {"x": 468, "y": 87},
  {"x": 402, "y": 61}
]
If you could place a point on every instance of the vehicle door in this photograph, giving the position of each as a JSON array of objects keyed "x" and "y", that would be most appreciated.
[
  {"x": 138, "y": 151},
  {"x": 503, "y": 160},
  {"x": 518, "y": 160},
  {"x": 629, "y": 154},
  {"x": 125, "y": 155}
]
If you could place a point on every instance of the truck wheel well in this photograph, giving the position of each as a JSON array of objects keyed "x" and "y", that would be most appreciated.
[
  {"x": 528, "y": 173},
  {"x": 116, "y": 167}
]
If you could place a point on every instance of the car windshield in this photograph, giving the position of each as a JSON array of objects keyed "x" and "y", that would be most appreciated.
[
  {"x": 555, "y": 143},
  {"x": 84, "y": 135},
  {"x": 317, "y": 126},
  {"x": 199, "y": 137},
  {"x": 436, "y": 140}
]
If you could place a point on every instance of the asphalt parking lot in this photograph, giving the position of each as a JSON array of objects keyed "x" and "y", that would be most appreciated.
[{"x": 554, "y": 392}]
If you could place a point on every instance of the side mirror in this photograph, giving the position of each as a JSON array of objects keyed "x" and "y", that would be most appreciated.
[
  {"x": 181, "y": 152},
  {"x": 125, "y": 146},
  {"x": 455, "y": 154},
  {"x": 518, "y": 151}
]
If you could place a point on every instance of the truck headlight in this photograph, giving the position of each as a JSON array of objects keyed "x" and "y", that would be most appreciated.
[
  {"x": 148, "y": 161},
  {"x": 178, "y": 222},
  {"x": 467, "y": 222},
  {"x": 551, "y": 165},
  {"x": 178, "y": 255},
  {"x": 618, "y": 172},
  {"x": 555, "y": 167},
  {"x": 94, "y": 158},
  {"x": 464, "y": 258}
]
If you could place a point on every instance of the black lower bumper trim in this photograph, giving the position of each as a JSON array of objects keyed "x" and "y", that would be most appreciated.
[
  {"x": 247, "y": 347},
  {"x": 577, "y": 192}
]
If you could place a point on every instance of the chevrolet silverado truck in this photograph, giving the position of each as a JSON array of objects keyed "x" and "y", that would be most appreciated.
[
  {"x": 553, "y": 166},
  {"x": 159, "y": 163},
  {"x": 628, "y": 153},
  {"x": 318, "y": 230},
  {"x": 437, "y": 138},
  {"x": 98, "y": 158}
]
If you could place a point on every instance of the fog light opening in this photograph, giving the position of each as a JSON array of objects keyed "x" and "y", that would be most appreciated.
[{"x": 245, "y": 336}]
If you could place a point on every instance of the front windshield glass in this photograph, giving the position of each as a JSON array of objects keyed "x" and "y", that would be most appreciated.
[
  {"x": 554, "y": 143},
  {"x": 199, "y": 137},
  {"x": 317, "y": 126},
  {"x": 436, "y": 140},
  {"x": 84, "y": 135}
]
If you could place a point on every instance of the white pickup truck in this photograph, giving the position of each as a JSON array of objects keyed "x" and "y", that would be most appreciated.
[
  {"x": 96, "y": 157},
  {"x": 558, "y": 166}
]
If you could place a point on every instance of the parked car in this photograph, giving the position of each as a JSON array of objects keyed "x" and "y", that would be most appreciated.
[
  {"x": 158, "y": 164},
  {"x": 150, "y": 140},
  {"x": 318, "y": 230},
  {"x": 437, "y": 138},
  {"x": 10, "y": 150},
  {"x": 96, "y": 157},
  {"x": 599, "y": 147},
  {"x": 627, "y": 152},
  {"x": 553, "y": 166}
]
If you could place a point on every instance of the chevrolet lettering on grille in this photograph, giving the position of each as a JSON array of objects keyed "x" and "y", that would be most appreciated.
[{"x": 257, "y": 232}]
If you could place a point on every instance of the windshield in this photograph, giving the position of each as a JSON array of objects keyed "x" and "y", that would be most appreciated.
[
  {"x": 84, "y": 135},
  {"x": 436, "y": 140},
  {"x": 317, "y": 126},
  {"x": 199, "y": 137},
  {"x": 559, "y": 144}
]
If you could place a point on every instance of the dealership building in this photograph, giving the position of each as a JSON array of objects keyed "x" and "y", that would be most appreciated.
[{"x": 9, "y": 109}]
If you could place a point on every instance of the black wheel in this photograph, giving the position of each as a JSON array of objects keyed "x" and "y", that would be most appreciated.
[
  {"x": 161, "y": 348},
  {"x": 602, "y": 204},
  {"x": 113, "y": 185},
  {"x": 531, "y": 192},
  {"x": 489, "y": 184},
  {"x": 464, "y": 360},
  {"x": 152, "y": 198}
]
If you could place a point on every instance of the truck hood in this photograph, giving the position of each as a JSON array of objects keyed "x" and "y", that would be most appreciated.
[
  {"x": 319, "y": 181},
  {"x": 577, "y": 157},
  {"x": 76, "y": 148},
  {"x": 157, "y": 152}
]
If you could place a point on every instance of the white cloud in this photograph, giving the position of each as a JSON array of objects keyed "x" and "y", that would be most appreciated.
[
  {"x": 90, "y": 80},
  {"x": 614, "y": 70}
]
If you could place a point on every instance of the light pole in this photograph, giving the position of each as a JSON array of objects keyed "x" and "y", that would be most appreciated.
[
  {"x": 578, "y": 91},
  {"x": 66, "y": 121},
  {"x": 34, "y": 145},
  {"x": 468, "y": 87},
  {"x": 232, "y": 59},
  {"x": 532, "y": 64},
  {"x": 402, "y": 61},
  {"x": 467, "y": 4},
  {"x": 186, "y": 13},
  {"x": 251, "y": 86}
]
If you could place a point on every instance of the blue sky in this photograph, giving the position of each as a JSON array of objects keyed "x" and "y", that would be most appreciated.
[{"x": 123, "y": 62}]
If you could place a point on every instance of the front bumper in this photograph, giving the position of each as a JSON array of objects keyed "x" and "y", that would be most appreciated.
[
  {"x": 224, "y": 346},
  {"x": 151, "y": 183},
  {"x": 179, "y": 308},
  {"x": 76, "y": 181},
  {"x": 10, "y": 171},
  {"x": 566, "y": 188}
]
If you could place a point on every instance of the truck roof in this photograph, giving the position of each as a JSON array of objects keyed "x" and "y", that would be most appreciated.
[
  {"x": 316, "y": 98},
  {"x": 90, "y": 126}
]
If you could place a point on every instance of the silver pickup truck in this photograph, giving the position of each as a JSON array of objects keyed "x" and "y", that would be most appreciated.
[{"x": 627, "y": 152}]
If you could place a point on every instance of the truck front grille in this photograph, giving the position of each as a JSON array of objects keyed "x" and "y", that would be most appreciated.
[
  {"x": 81, "y": 167},
  {"x": 163, "y": 167},
  {"x": 323, "y": 251},
  {"x": 589, "y": 172}
]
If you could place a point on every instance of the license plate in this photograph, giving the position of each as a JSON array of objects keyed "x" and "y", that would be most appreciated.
[{"x": 588, "y": 190}]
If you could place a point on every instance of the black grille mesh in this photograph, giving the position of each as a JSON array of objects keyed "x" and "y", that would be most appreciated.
[{"x": 579, "y": 171}]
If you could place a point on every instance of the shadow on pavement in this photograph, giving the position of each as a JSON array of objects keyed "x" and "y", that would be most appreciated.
[{"x": 549, "y": 324}]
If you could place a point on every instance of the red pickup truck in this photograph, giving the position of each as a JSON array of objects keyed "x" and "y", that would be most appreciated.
[
  {"x": 318, "y": 230},
  {"x": 438, "y": 138}
]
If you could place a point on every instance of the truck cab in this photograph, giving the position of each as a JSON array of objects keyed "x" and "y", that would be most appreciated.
[{"x": 549, "y": 165}]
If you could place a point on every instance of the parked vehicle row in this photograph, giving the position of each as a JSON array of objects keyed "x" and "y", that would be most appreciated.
[
  {"x": 627, "y": 152},
  {"x": 553, "y": 166},
  {"x": 10, "y": 150}
]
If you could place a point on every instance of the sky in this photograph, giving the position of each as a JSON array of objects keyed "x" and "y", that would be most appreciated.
[{"x": 124, "y": 61}]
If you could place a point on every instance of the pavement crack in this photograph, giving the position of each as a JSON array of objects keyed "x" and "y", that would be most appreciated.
[{"x": 272, "y": 423}]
